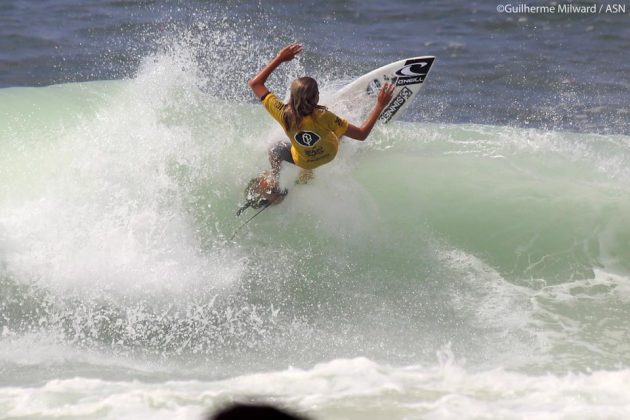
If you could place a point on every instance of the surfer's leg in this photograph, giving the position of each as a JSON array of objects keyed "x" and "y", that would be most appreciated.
[{"x": 279, "y": 152}]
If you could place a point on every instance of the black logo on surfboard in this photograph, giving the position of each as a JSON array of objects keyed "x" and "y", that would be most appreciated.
[
  {"x": 373, "y": 87},
  {"x": 396, "y": 103},
  {"x": 306, "y": 138},
  {"x": 414, "y": 71}
]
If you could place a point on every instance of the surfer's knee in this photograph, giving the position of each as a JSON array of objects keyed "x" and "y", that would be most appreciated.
[{"x": 279, "y": 152}]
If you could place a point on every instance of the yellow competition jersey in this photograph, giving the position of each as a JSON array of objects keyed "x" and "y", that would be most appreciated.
[{"x": 317, "y": 140}]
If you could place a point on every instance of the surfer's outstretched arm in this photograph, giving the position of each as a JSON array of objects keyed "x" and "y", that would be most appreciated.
[
  {"x": 288, "y": 53},
  {"x": 361, "y": 133}
]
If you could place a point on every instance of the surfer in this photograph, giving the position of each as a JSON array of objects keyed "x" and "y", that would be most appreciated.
[{"x": 313, "y": 131}]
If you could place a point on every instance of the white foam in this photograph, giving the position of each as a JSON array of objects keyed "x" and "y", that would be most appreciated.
[
  {"x": 347, "y": 388},
  {"x": 112, "y": 214},
  {"x": 49, "y": 349}
]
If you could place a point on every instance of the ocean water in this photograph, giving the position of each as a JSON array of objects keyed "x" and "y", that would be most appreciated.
[{"x": 469, "y": 261}]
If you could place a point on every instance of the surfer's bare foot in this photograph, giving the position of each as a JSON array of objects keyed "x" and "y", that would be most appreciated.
[{"x": 304, "y": 176}]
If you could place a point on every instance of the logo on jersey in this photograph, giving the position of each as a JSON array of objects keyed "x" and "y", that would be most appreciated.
[
  {"x": 306, "y": 138},
  {"x": 396, "y": 104},
  {"x": 314, "y": 152}
]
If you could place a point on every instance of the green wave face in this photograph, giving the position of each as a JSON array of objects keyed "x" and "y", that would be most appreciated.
[{"x": 117, "y": 200}]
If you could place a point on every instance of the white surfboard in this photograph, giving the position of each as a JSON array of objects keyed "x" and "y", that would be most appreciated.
[{"x": 357, "y": 99}]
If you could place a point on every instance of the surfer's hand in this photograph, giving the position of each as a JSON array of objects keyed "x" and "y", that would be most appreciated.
[
  {"x": 289, "y": 52},
  {"x": 385, "y": 95}
]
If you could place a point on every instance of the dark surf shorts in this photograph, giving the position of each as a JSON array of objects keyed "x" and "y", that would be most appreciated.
[{"x": 281, "y": 151}]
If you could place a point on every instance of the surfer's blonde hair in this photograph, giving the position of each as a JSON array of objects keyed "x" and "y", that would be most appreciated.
[{"x": 302, "y": 102}]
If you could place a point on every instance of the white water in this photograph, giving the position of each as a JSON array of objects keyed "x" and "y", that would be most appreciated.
[
  {"x": 434, "y": 271},
  {"x": 345, "y": 388}
]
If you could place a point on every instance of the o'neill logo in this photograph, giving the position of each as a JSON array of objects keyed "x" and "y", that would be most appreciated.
[
  {"x": 415, "y": 69},
  {"x": 413, "y": 72},
  {"x": 400, "y": 99},
  {"x": 306, "y": 138}
]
